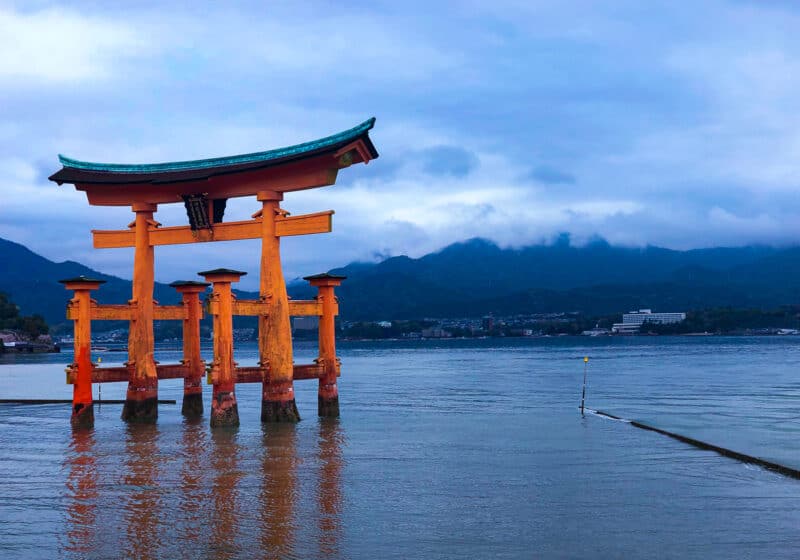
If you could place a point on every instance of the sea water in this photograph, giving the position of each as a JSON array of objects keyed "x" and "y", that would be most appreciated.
[{"x": 445, "y": 449}]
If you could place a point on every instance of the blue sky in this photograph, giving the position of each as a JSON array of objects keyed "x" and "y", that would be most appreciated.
[{"x": 659, "y": 122}]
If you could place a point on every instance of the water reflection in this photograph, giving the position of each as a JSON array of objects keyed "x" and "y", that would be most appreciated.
[
  {"x": 193, "y": 501},
  {"x": 191, "y": 492},
  {"x": 142, "y": 506},
  {"x": 82, "y": 493},
  {"x": 329, "y": 494},
  {"x": 278, "y": 490},
  {"x": 225, "y": 514}
]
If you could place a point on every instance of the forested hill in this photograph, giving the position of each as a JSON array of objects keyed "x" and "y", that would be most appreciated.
[
  {"x": 477, "y": 277},
  {"x": 32, "y": 283}
]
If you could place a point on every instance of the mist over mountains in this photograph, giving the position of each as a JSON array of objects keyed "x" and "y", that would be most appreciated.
[{"x": 476, "y": 277}]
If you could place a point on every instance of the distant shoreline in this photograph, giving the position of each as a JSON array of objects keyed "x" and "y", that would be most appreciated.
[{"x": 566, "y": 335}]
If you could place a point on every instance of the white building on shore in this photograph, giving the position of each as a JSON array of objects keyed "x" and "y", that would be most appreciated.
[{"x": 632, "y": 322}]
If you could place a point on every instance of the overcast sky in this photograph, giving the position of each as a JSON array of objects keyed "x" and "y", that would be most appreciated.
[{"x": 673, "y": 123}]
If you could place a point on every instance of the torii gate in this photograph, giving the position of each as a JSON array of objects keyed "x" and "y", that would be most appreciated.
[{"x": 204, "y": 186}]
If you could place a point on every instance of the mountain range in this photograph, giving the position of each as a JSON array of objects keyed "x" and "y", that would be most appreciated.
[{"x": 476, "y": 277}]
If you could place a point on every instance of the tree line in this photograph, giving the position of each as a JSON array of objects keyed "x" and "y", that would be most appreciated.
[{"x": 29, "y": 326}]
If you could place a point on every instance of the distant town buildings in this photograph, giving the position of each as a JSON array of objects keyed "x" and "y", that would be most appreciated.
[
  {"x": 633, "y": 321},
  {"x": 596, "y": 331},
  {"x": 522, "y": 325},
  {"x": 16, "y": 341},
  {"x": 436, "y": 332}
]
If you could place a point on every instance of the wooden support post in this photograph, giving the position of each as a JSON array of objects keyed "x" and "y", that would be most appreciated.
[
  {"x": 328, "y": 395},
  {"x": 82, "y": 408},
  {"x": 224, "y": 410},
  {"x": 193, "y": 312},
  {"x": 141, "y": 400},
  {"x": 274, "y": 328}
]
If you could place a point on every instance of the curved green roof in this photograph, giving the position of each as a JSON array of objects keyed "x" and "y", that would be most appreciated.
[{"x": 279, "y": 153}]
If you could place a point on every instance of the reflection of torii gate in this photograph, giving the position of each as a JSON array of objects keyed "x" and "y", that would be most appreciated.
[{"x": 204, "y": 187}]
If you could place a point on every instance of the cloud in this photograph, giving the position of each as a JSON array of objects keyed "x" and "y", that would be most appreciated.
[
  {"x": 676, "y": 125},
  {"x": 552, "y": 176},
  {"x": 57, "y": 45},
  {"x": 366, "y": 46},
  {"x": 448, "y": 160}
]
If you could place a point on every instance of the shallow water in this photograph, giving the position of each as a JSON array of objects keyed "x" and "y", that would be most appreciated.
[{"x": 444, "y": 449}]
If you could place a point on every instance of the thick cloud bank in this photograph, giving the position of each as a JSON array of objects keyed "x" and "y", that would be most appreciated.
[{"x": 669, "y": 123}]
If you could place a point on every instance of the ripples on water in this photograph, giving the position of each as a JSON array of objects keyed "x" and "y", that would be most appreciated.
[{"x": 452, "y": 449}]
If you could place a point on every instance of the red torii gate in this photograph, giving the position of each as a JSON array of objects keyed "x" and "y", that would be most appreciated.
[{"x": 204, "y": 187}]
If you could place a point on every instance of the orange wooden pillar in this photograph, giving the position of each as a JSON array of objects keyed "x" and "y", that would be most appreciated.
[
  {"x": 141, "y": 400},
  {"x": 82, "y": 408},
  {"x": 328, "y": 396},
  {"x": 274, "y": 328},
  {"x": 224, "y": 410},
  {"x": 193, "y": 383}
]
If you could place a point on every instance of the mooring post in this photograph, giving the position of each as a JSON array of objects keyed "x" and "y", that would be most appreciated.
[
  {"x": 274, "y": 328},
  {"x": 224, "y": 410},
  {"x": 328, "y": 395},
  {"x": 583, "y": 393},
  {"x": 193, "y": 383},
  {"x": 141, "y": 400},
  {"x": 81, "y": 304}
]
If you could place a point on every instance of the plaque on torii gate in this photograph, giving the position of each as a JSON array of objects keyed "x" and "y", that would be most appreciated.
[{"x": 204, "y": 186}]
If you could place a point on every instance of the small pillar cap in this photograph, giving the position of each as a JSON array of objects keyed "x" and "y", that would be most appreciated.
[
  {"x": 81, "y": 280},
  {"x": 185, "y": 283},
  {"x": 325, "y": 276},
  {"x": 222, "y": 274},
  {"x": 190, "y": 286},
  {"x": 325, "y": 279},
  {"x": 222, "y": 271}
]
